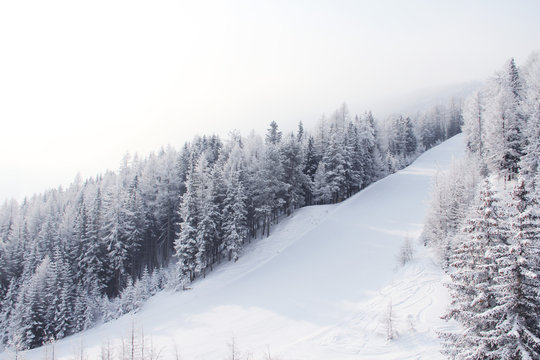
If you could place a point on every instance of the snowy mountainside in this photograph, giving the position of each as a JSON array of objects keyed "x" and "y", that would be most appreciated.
[{"x": 319, "y": 287}]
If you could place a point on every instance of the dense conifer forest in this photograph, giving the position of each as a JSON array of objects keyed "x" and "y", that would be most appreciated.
[
  {"x": 484, "y": 221},
  {"x": 71, "y": 257}
]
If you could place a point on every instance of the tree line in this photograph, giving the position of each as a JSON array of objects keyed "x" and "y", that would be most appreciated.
[
  {"x": 98, "y": 248},
  {"x": 484, "y": 220}
]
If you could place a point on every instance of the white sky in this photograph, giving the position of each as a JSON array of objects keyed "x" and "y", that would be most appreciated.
[{"x": 82, "y": 82}]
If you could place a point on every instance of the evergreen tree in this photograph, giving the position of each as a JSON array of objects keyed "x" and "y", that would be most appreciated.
[
  {"x": 293, "y": 176},
  {"x": 369, "y": 155},
  {"x": 530, "y": 163},
  {"x": 310, "y": 167},
  {"x": 116, "y": 230},
  {"x": 410, "y": 143},
  {"x": 335, "y": 167},
  {"x": 273, "y": 135},
  {"x": 504, "y": 123},
  {"x": 300, "y": 134},
  {"x": 235, "y": 229},
  {"x": 473, "y": 268},
  {"x": 517, "y": 333},
  {"x": 134, "y": 225},
  {"x": 272, "y": 191},
  {"x": 354, "y": 158},
  {"x": 473, "y": 124},
  {"x": 207, "y": 229},
  {"x": 186, "y": 242},
  {"x": 322, "y": 192}
]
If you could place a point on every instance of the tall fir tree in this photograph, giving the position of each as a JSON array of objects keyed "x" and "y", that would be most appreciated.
[
  {"x": 517, "y": 333},
  {"x": 473, "y": 267}
]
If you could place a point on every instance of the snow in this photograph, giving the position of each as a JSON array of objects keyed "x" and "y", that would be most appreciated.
[{"x": 317, "y": 288}]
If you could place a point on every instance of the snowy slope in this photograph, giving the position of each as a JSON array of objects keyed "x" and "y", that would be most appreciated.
[{"x": 317, "y": 288}]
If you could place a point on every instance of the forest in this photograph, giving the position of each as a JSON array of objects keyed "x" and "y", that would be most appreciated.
[
  {"x": 484, "y": 221},
  {"x": 72, "y": 257}
]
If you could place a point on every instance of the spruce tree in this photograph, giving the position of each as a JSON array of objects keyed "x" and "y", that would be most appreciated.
[
  {"x": 517, "y": 333},
  {"x": 473, "y": 267},
  {"x": 186, "y": 242},
  {"x": 235, "y": 229}
]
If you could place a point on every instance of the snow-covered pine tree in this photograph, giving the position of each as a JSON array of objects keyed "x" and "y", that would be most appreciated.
[
  {"x": 292, "y": 159},
  {"x": 322, "y": 193},
  {"x": 207, "y": 227},
  {"x": 354, "y": 157},
  {"x": 235, "y": 229},
  {"x": 271, "y": 192},
  {"x": 134, "y": 212},
  {"x": 402, "y": 142},
  {"x": 310, "y": 167},
  {"x": 473, "y": 267},
  {"x": 530, "y": 163},
  {"x": 410, "y": 142},
  {"x": 29, "y": 320},
  {"x": 473, "y": 124},
  {"x": 168, "y": 190},
  {"x": 273, "y": 135},
  {"x": 186, "y": 242},
  {"x": 115, "y": 236},
  {"x": 516, "y": 284},
  {"x": 335, "y": 166},
  {"x": 454, "y": 120},
  {"x": 92, "y": 262},
  {"x": 504, "y": 122},
  {"x": 370, "y": 158}
]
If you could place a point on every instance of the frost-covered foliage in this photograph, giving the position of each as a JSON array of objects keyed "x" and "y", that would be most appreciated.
[
  {"x": 452, "y": 194},
  {"x": 491, "y": 245},
  {"x": 97, "y": 249}
]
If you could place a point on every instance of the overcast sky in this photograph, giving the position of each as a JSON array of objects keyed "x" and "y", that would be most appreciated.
[{"x": 82, "y": 82}]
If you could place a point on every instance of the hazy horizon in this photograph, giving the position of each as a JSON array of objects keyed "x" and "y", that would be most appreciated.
[{"x": 82, "y": 84}]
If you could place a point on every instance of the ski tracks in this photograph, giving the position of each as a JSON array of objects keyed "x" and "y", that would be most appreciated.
[{"x": 414, "y": 300}]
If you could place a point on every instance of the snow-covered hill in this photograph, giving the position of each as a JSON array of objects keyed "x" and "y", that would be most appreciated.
[{"x": 318, "y": 288}]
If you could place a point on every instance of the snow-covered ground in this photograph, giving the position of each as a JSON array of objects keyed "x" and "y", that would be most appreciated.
[{"x": 318, "y": 288}]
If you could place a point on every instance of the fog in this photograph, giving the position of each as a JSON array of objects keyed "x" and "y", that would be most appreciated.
[{"x": 81, "y": 83}]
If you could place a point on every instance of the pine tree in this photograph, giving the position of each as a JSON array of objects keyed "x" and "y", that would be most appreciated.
[
  {"x": 517, "y": 334},
  {"x": 335, "y": 167},
  {"x": 504, "y": 123},
  {"x": 473, "y": 126},
  {"x": 293, "y": 176},
  {"x": 301, "y": 133},
  {"x": 354, "y": 158},
  {"x": 273, "y": 135},
  {"x": 370, "y": 156},
  {"x": 235, "y": 229},
  {"x": 271, "y": 190},
  {"x": 410, "y": 138},
  {"x": 322, "y": 192},
  {"x": 134, "y": 224},
  {"x": 186, "y": 242},
  {"x": 167, "y": 195},
  {"x": 91, "y": 260},
  {"x": 473, "y": 268},
  {"x": 530, "y": 163},
  {"x": 310, "y": 167},
  {"x": 207, "y": 234},
  {"x": 116, "y": 230}
]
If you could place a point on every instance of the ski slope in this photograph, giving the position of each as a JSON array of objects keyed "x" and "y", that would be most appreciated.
[{"x": 318, "y": 288}]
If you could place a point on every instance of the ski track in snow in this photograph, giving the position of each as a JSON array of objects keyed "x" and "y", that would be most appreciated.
[{"x": 317, "y": 288}]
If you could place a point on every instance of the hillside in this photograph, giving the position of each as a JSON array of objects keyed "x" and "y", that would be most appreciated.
[{"x": 317, "y": 288}]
